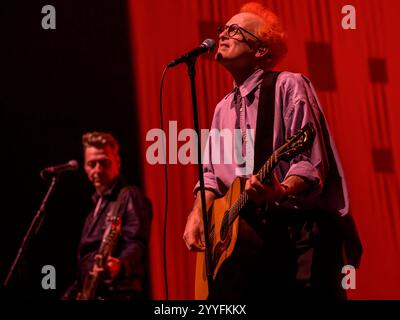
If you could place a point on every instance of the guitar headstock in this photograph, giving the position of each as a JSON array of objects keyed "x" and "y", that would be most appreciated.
[{"x": 296, "y": 144}]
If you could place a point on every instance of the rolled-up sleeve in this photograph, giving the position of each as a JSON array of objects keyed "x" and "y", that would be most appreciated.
[
  {"x": 313, "y": 164},
  {"x": 210, "y": 181}
]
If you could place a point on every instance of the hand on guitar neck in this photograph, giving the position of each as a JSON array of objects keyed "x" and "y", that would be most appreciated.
[
  {"x": 194, "y": 230},
  {"x": 274, "y": 192},
  {"x": 261, "y": 193}
]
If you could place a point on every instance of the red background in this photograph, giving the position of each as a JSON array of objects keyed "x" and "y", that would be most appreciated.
[{"x": 356, "y": 73}]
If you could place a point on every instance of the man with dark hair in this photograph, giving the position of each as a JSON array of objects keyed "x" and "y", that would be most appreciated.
[
  {"x": 295, "y": 248},
  {"x": 112, "y": 257}
]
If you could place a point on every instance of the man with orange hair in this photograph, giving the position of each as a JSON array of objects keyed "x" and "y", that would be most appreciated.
[{"x": 299, "y": 249}]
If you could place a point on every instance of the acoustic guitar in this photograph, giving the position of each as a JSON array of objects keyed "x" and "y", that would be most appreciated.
[{"x": 223, "y": 215}]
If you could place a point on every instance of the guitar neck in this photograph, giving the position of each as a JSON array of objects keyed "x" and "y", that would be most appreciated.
[
  {"x": 293, "y": 146},
  {"x": 264, "y": 175}
]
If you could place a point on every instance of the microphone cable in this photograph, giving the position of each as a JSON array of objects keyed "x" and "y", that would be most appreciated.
[{"x": 166, "y": 187}]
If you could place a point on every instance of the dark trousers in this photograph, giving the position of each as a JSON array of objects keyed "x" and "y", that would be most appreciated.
[{"x": 298, "y": 255}]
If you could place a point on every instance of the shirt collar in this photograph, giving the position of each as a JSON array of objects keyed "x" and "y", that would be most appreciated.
[
  {"x": 108, "y": 193},
  {"x": 250, "y": 83}
]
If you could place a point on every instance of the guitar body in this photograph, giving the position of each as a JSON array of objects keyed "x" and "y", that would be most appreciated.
[{"x": 222, "y": 236}]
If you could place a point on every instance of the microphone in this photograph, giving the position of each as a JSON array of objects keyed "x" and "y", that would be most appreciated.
[
  {"x": 208, "y": 45},
  {"x": 55, "y": 170}
]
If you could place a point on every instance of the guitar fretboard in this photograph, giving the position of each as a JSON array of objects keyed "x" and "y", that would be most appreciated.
[
  {"x": 264, "y": 173},
  {"x": 296, "y": 144}
]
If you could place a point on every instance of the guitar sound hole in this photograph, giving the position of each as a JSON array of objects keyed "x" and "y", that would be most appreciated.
[{"x": 225, "y": 226}]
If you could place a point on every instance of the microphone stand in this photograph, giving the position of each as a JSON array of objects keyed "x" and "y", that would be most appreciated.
[
  {"x": 192, "y": 74},
  {"x": 33, "y": 230}
]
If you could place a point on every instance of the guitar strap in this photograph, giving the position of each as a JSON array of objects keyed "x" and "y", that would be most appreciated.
[
  {"x": 250, "y": 230},
  {"x": 263, "y": 148},
  {"x": 265, "y": 120}
]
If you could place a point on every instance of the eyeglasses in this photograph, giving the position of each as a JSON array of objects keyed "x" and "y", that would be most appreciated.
[{"x": 233, "y": 29}]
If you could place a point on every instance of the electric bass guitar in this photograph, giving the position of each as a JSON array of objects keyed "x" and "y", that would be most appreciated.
[
  {"x": 94, "y": 277},
  {"x": 223, "y": 215}
]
